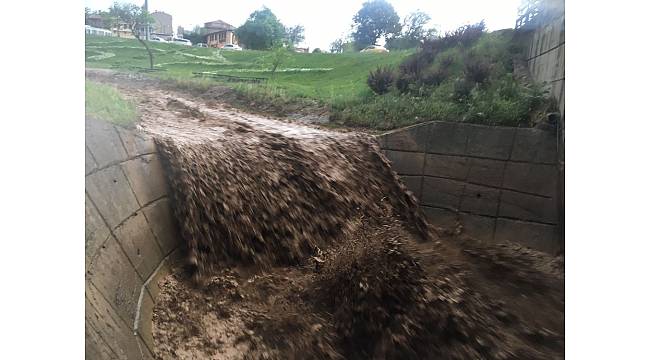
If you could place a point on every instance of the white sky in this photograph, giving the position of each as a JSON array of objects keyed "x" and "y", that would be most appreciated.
[{"x": 324, "y": 21}]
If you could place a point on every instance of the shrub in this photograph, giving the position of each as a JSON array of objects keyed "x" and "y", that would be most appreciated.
[
  {"x": 403, "y": 82},
  {"x": 414, "y": 67},
  {"x": 476, "y": 69},
  {"x": 381, "y": 80},
  {"x": 317, "y": 51},
  {"x": 446, "y": 62},
  {"x": 466, "y": 35},
  {"x": 435, "y": 77},
  {"x": 462, "y": 89}
]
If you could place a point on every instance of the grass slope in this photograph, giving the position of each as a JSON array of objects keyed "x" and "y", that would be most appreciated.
[
  {"x": 337, "y": 83},
  {"x": 328, "y": 78},
  {"x": 105, "y": 103}
]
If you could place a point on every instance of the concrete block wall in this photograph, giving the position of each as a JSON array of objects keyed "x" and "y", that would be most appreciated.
[
  {"x": 499, "y": 183},
  {"x": 131, "y": 240},
  {"x": 545, "y": 56}
]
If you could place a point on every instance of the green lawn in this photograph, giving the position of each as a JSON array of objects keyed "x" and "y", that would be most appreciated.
[
  {"x": 327, "y": 78},
  {"x": 104, "y": 102},
  {"x": 337, "y": 83}
]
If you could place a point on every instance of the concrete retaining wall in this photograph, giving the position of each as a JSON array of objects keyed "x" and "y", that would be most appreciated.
[
  {"x": 131, "y": 240},
  {"x": 499, "y": 183},
  {"x": 545, "y": 56}
]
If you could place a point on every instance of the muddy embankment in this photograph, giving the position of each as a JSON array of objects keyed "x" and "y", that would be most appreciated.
[{"x": 303, "y": 243}]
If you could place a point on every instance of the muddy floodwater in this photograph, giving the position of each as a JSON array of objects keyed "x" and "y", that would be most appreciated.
[{"x": 302, "y": 243}]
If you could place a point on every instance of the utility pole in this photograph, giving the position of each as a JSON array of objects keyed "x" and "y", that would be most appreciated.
[{"x": 146, "y": 9}]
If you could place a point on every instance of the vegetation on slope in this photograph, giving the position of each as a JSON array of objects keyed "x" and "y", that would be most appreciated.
[
  {"x": 105, "y": 103},
  {"x": 465, "y": 76},
  {"x": 323, "y": 77}
]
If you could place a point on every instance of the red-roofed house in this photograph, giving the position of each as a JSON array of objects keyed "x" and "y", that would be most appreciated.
[{"x": 219, "y": 33}]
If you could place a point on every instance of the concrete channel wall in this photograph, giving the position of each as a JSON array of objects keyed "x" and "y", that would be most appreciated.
[
  {"x": 545, "y": 56},
  {"x": 498, "y": 183},
  {"x": 131, "y": 240}
]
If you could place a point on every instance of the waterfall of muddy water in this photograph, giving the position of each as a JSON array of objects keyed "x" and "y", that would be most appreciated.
[
  {"x": 254, "y": 196},
  {"x": 263, "y": 193}
]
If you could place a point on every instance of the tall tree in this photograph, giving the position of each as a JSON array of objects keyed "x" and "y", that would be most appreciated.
[
  {"x": 136, "y": 18},
  {"x": 375, "y": 19},
  {"x": 336, "y": 46},
  {"x": 295, "y": 35},
  {"x": 413, "y": 31},
  {"x": 262, "y": 30},
  {"x": 413, "y": 25}
]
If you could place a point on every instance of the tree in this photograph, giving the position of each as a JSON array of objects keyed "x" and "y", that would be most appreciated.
[
  {"x": 196, "y": 35},
  {"x": 377, "y": 18},
  {"x": 341, "y": 45},
  {"x": 295, "y": 35},
  {"x": 336, "y": 46},
  {"x": 262, "y": 30},
  {"x": 275, "y": 58},
  {"x": 136, "y": 19},
  {"x": 413, "y": 31}
]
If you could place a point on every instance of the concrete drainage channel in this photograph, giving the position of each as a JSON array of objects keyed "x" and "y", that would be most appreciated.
[
  {"x": 503, "y": 187},
  {"x": 131, "y": 240},
  {"x": 492, "y": 183}
]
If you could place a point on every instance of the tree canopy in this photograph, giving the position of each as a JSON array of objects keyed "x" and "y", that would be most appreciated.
[
  {"x": 413, "y": 31},
  {"x": 375, "y": 19},
  {"x": 196, "y": 35},
  {"x": 262, "y": 30},
  {"x": 295, "y": 35}
]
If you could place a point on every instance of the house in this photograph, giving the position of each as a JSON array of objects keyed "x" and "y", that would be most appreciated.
[
  {"x": 219, "y": 33},
  {"x": 122, "y": 30},
  {"x": 162, "y": 26},
  {"x": 96, "y": 21}
]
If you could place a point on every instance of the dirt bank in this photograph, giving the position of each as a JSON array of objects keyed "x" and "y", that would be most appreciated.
[{"x": 302, "y": 243}]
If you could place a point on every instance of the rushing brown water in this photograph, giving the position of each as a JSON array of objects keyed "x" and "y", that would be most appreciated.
[
  {"x": 260, "y": 197},
  {"x": 306, "y": 245}
]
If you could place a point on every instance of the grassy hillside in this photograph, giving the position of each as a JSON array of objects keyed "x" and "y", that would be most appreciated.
[
  {"x": 105, "y": 103},
  {"x": 327, "y": 78},
  {"x": 467, "y": 75}
]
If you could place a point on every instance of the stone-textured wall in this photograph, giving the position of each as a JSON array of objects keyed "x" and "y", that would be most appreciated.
[
  {"x": 499, "y": 183},
  {"x": 545, "y": 57},
  {"x": 131, "y": 240}
]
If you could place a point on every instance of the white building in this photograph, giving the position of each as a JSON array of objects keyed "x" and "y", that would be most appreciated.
[{"x": 97, "y": 31}]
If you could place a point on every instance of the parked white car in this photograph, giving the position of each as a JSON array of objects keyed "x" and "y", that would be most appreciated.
[
  {"x": 203, "y": 45},
  {"x": 232, "y": 47},
  {"x": 158, "y": 39},
  {"x": 180, "y": 41},
  {"x": 375, "y": 49}
]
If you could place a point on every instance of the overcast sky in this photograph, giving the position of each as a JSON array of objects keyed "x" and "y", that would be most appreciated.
[{"x": 324, "y": 21}]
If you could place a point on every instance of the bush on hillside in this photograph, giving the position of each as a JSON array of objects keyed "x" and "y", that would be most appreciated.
[
  {"x": 477, "y": 69},
  {"x": 381, "y": 80},
  {"x": 466, "y": 75}
]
